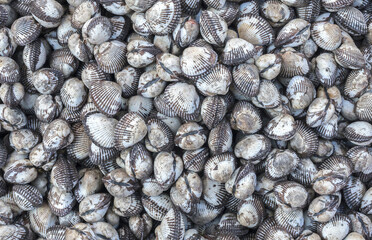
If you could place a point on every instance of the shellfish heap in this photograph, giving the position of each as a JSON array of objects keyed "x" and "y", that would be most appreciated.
[{"x": 185, "y": 119}]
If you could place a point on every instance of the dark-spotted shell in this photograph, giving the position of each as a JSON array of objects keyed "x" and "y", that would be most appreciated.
[
  {"x": 349, "y": 56},
  {"x": 60, "y": 201},
  {"x": 353, "y": 192},
  {"x": 64, "y": 174},
  {"x": 294, "y": 64},
  {"x": 9, "y": 70},
  {"x": 119, "y": 183},
  {"x": 94, "y": 207},
  {"x": 361, "y": 158},
  {"x": 27, "y": 197},
  {"x": 363, "y": 107},
  {"x": 356, "y": 83},
  {"x": 268, "y": 96},
  {"x": 97, "y": 30},
  {"x": 127, "y": 206},
  {"x": 130, "y": 129},
  {"x": 163, "y": 16},
  {"x": 111, "y": 56},
  {"x": 291, "y": 194},
  {"x": 47, "y": 80},
  {"x": 25, "y": 30}
]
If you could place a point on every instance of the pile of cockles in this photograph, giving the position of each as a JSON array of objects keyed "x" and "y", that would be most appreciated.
[{"x": 185, "y": 119}]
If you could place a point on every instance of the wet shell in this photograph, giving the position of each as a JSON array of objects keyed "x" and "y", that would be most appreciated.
[
  {"x": 251, "y": 212},
  {"x": 140, "y": 24},
  {"x": 280, "y": 163},
  {"x": 119, "y": 184},
  {"x": 97, "y": 30},
  {"x": 255, "y": 29},
  {"x": 216, "y": 82},
  {"x": 27, "y": 197},
  {"x": 35, "y": 54},
  {"x": 363, "y": 108},
  {"x": 253, "y": 147},
  {"x": 293, "y": 34},
  {"x": 197, "y": 61},
  {"x": 246, "y": 118},
  {"x": 60, "y": 202},
  {"x": 213, "y": 28},
  {"x": 246, "y": 79},
  {"x": 94, "y": 207},
  {"x": 63, "y": 60},
  {"x": 64, "y": 174},
  {"x": 111, "y": 56},
  {"x": 163, "y": 16},
  {"x": 237, "y": 51},
  {"x": 194, "y": 160},
  {"x": 220, "y": 167},
  {"x": 305, "y": 142},
  {"x": 159, "y": 136},
  {"x": 337, "y": 228},
  {"x": 361, "y": 223},
  {"x": 47, "y": 12},
  {"x": 129, "y": 130},
  {"x": 25, "y": 30},
  {"x": 351, "y": 20},
  {"x": 41, "y": 219},
  {"x": 23, "y": 140},
  {"x": 326, "y": 35}
]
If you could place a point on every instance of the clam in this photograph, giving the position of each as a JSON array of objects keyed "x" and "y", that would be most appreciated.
[
  {"x": 111, "y": 56},
  {"x": 255, "y": 29},
  {"x": 197, "y": 61},
  {"x": 25, "y": 30},
  {"x": 295, "y": 33},
  {"x": 213, "y": 28}
]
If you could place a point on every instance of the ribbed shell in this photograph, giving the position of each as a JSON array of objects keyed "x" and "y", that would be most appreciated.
[
  {"x": 190, "y": 7},
  {"x": 157, "y": 206},
  {"x": 213, "y": 28},
  {"x": 294, "y": 64},
  {"x": 163, "y": 16},
  {"x": 361, "y": 158},
  {"x": 35, "y": 54},
  {"x": 246, "y": 79},
  {"x": 353, "y": 192},
  {"x": 94, "y": 207},
  {"x": 282, "y": 127},
  {"x": 100, "y": 129},
  {"x": 127, "y": 206},
  {"x": 291, "y": 194},
  {"x": 41, "y": 219},
  {"x": 22, "y": 7},
  {"x": 220, "y": 167},
  {"x": 194, "y": 160},
  {"x": 255, "y": 29},
  {"x": 197, "y": 61},
  {"x": 216, "y": 82},
  {"x": 99, "y": 155},
  {"x": 128, "y": 80},
  {"x": 220, "y": 138},
  {"x": 91, "y": 73},
  {"x": 291, "y": 220},
  {"x": 27, "y": 197},
  {"x": 79, "y": 148},
  {"x": 213, "y": 110},
  {"x": 349, "y": 56},
  {"x": 280, "y": 163},
  {"x": 173, "y": 226},
  {"x": 111, "y": 56},
  {"x": 335, "y": 5},
  {"x": 363, "y": 107},
  {"x": 106, "y": 96},
  {"x": 305, "y": 141},
  {"x": 309, "y": 12},
  {"x": 229, "y": 224},
  {"x": 237, "y": 51},
  {"x": 329, "y": 129},
  {"x": 60, "y": 202},
  {"x": 305, "y": 172},
  {"x": 352, "y": 21},
  {"x": 326, "y": 35},
  {"x": 295, "y": 33},
  {"x": 47, "y": 12},
  {"x": 159, "y": 135},
  {"x": 56, "y": 232},
  {"x": 251, "y": 211},
  {"x": 358, "y": 131},
  {"x": 63, "y": 60},
  {"x": 268, "y": 96},
  {"x": 337, "y": 228},
  {"x": 129, "y": 130},
  {"x": 9, "y": 70},
  {"x": 64, "y": 174},
  {"x": 119, "y": 184},
  {"x": 25, "y": 30},
  {"x": 245, "y": 117}
]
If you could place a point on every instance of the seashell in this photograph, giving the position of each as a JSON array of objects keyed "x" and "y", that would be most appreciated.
[
  {"x": 25, "y": 30},
  {"x": 12, "y": 94},
  {"x": 310, "y": 11},
  {"x": 41, "y": 219},
  {"x": 47, "y": 12},
  {"x": 56, "y": 232},
  {"x": 168, "y": 67},
  {"x": 13, "y": 231},
  {"x": 128, "y": 80},
  {"x": 127, "y": 206},
  {"x": 360, "y": 223},
  {"x": 57, "y": 135},
  {"x": 305, "y": 172},
  {"x": 213, "y": 28},
  {"x": 27, "y": 197},
  {"x": 9, "y": 70},
  {"x": 353, "y": 192},
  {"x": 167, "y": 168},
  {"x": 97, "y": 30},
  {"x": 323, "y": 208},
  {"x": 253, "y": 147},
  {"x": 140, "y": 105},
  {"x": 99, "y": 155},
  {"x": 351, "y": 20},
  {"x": 106, "y": 96},
  {"x": 120, "y": 24},
  {"x": 194, "y": 160},
  {"x": 197, "y": 61},
  {"x": 243, "y": 115},
  {"x": 60, "y": 202},
  {"x": 140, "y": 225},
  {"x": 119, "y": 184},
  {"x": 12, "y": 118},
  {"x": 23, "y": 140},
  {"x": 360, "y": 157},
  {"x": 73, "y": 93},
  {"x": 291, "y": 194},
  {"x": 157, "y": 206},
  {"x": 220, "y": 138},
  {"x": 19, "y": 172},
  {"x": 172, "y": 226},
  {"x": 92, "y": 73},
  {"x": 159, "y": 136},
  {"x": 137, "y": 162},
  {"x": 349, "y": 56},
  {"x": 64, "y": 174},
  {"x": 205, "y": 213},
  {"x": 276, "y": 13},
  {"x": 47, "y": 80},
  {"x": 140, "y": 24},
  {"x": 319, "y": 112},
  {"x": 242, "y": 182},
  {"x": 150, "y": 84},
  {"x": 255, "y": 29},
  {"x": 81, "y": 49},
  {"x": 328, "y": 181},
  {"x": 329, "y": 129},
  {"x": 291, "y": 219},
  {"x": 334, "y": 6},
  {"x": 35, "y": 54},
  {"x": 84, "y": 11},
  {"x": 151, "y": 187},
  {"x": 190, "y": 136},
  {"x": 65, "y": 29},
  {"x": 216, "y": 82},
  {"x": 295, "y": 33},
  {"x": 220, "y": 167},
  {"x": 110, "y": 56},
  {"x": 229, "y": 225},
  {"x": 163, "y": 16},
  {"x": 340, "y": 222},
  {"x": 295, "y": 3},
  {"x": 280, "y": 163},
  {"x": 282, "y": 127},
  {"x": 325, "y": 69},
  {"x": 213, "y": 110},
  {"x": 359, "y": 132},
  {"x": 214, "y": 193},
  {"x": 269, "y": 65},
  {"x": 293, "y": 64},
  {"x": 246, "y": 79},
  {"x": 129, "y": 130},
  {"x": 305, "y": 142},
  {"x": 228, "y": 11},
  {"x": 80, "y": 231},
  {"x": 356, "y": 83},
  {"x": 46, "y": 108},
  {"x": 268, "y": 96},
  {"x": 237, "y": 51},
  {"x": 63, "y": 60},
  {"x": 363, "y": 108},
  {"x": 326, "y": 35},
  {"x": 8, "y": 44},
  {"x": 89, "y": 183},
  {"x": 251, "y": 212},
  {"x": 94, "y": 207},
  {"x": 190, "y": 7}
]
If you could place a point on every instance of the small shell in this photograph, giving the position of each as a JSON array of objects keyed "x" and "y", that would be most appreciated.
[
  {"x": 351, "y": 20},
  {"x": 328, "y": 181},
  {"x": 363, "y": 109},
  {"x": 251, "y": 212},
  {"x": 19, "y": 172},
  {"x": 8, "y": 44},
  {"x": 57, "y": 135},
  {"x": 82, "y": 50},
  {"x": 268, "y": 96},
  {"x": 325, "y": 69},
  {"x": 361, "y": 158},
  {"x": 172, "y": 226},
  {"x": 35, "y": 54},
  {"x": 213, "y": 110},
  {"x": 237, "y": 51},
  {"x": 353, "y": 192},
  {"x": 94, "y": 207},
  {"x": 167, "y": 168},
  {"x": 255, "y": 29},
  {"x": 291, "y": 219},
  {"x": 9, "y": 70},
  {"x": 335, "y": 5},
  {"x": 157, "y": 206},
  {"x": 326, "y": 35},
  {"x": 220, "y": 138},
  {"x": 159, "y": 136},
  {"x": 242, "y": 182},
  {"x": 349, "y": 56},
  {"x": 246, "y": 118},
  {"x": 12, "y": 94},
  {"x": 91, "y": 73},
  {"x": 47, "y": 80},
  {"x": 111, "y": 56},
  {"x": 220, "y": 167},
  {"x": 47, "y": 12},
  {"x": 305, "y": 142},
  {"x": 293, "y": 34},
  {"x": 80, "y": 231},
  {"x": 150, "y": 85},
  {"x": 168, "y": 67},
  {"x": 84, "y": 11},
  {"x": 356, "y": 83},
  {"x": 97, "y": 30},
  {"x": 319, "y": 112},
  {"x": 129, "y": 130},
  {"x": 120, "y": 25},
  {"x": 293, "y": 64},
  {"x": 163, "y": 16},
  {"x": 127, "y": 206},
  {"x": 197, "y": 61},
  {"x": 25, "y": 30},
  {"x": 140, "y": 105},
  {"x": 359, "y": 132},
  {"x": 23, "y": 140},
  {"x": 276, "y": 12},
  {"x": 213, "y": 28},
  {"x": 216, "y": 82},
  {"x": 64, "y": 174},
  {"x": 106, "y": 96},
  {"x": 282, "y": 127},
  {"x": 246, "y": 79},
  {"x": 16, "y": 232},
  {"x": 194, "y": 160},
  {"x": 128, "y": 80},
  {"x": 365, "y": 206},
  {"x": 291, "y": 194},
  {"x": 60, "y": 202},
  {"x": 47, "y": 108}
]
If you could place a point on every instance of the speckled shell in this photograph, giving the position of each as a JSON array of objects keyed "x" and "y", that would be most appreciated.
[
  {"x": 216, "y": 82},
  {"x": 94, "y": 207},
  {"x": 159, "y": 136},
  {"x": 359, "y": 132},
  {"x": 47, "y": 80},
  {"x": 363, "y": 109},
  {"x": 9, "y": 70},
  {"x": 167, "y": 169},
  {"x": 119, "y": 183},
  {"x": 351, "y": 20},
  {"x": 251, "y": 212},
  {"x": 287, "y": 159},
  {"x": 15, "y": 231},
  {"x": 293, "y": 64},
  {"x": 156, "y": 206},
  {"x": 349, "y": 56},
  {"x": 60, "y": 202},
  {"x": 197, "y": 61},
  {"x": 111, "y": 56},
  {"x": 361, "y": 157},
  {"x": 41, "y": 219},
  {"x": 194, "y": 160},
  {"x": 293, "y": 34},
  {"x": 305, "y": 142},
  {"x": 12, "y": 94},
  {"x": 127, "y": 206},
  {"x": 245, "y": 117},
  {"x": 237, "y": 51},
  {"x": 172, "y": 226},
  {"x": 291, "y": 194},
  {"x": 25, "y": 30},
  {"x": 63, "y": 60},
  {"x": 255, "y": 29},
  {"x": 340, "y": 222},
  {"x": 130, "y": 129},
  {"x": 97, "y": 30},
  {"x": 64, "y": 174},
  {"x": 220, "y": 167}
]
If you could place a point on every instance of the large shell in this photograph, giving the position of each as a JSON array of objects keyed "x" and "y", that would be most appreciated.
[
  {"x": 25, "y": 30},
  {"x": 328, "y": 230},
  {"x": 106, "y": 96},
  {"x": 197, "y": 61},
  {"x": 251, "y": 212},
  {"x": 111, "y": 56},
  {"x": 194, "y": 160},
  {"x": 305, "y": 142},
  {"x": 255, "y": 29},
  {"x": 351, "y": 20},
  {"x": 129, "y": 130},
  {"x": 41, "y": 219},
  {"x": 213, "y": 28}
]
